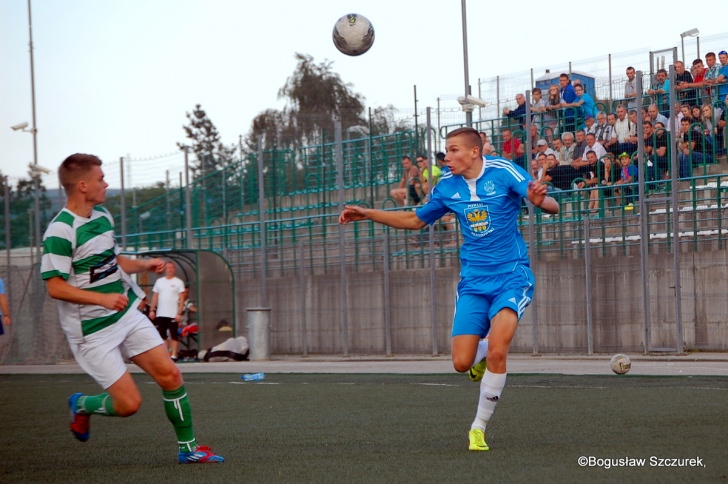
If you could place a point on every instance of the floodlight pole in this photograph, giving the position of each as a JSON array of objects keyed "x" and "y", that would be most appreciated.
[
  {"x": 468, "y": 114},
  {"x": 34, "y": 132}
]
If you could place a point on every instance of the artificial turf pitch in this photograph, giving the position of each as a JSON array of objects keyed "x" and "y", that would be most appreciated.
[{"x": 377, "y": 428}]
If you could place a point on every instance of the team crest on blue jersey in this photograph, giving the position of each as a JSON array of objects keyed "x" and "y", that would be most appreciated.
[
  {"x": 489, "y": 187},
  {"x": 478, "y": 220}
]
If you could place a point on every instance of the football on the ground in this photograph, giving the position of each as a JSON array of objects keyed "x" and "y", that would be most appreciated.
[
  {"x": 620, "y": 364},
  {"x": 353, "y": 34}
]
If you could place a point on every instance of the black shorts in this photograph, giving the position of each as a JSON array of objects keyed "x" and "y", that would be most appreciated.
[{"x": 167, "y": 324}]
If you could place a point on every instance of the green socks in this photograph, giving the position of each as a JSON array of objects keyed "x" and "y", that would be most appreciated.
[
  {"x": 178, "y": 410},
  {"x": 100, "y": 404}
]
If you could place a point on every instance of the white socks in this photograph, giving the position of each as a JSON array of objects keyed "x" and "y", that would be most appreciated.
[
  {"x": 491, "y": 388},
  {"x": 481, "y": 351}
]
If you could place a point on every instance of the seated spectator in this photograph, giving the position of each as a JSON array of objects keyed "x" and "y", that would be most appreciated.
[
  {"x": 560, "y": 152},
  {"x": 424, "y": 165},
  {"x": 534, "y": 140},
  {"x": 569, "y": 146},
  {"x": 487, "y": 146},
  {"x": 590, "y": 126},
  {"x": 538, "y": 165},
  {"x": 510, "y": 146},
  {"x": 713, "y": 121},
  {"x": 602, "y": 129},
  {"x": 660, "y": 157},
  {"x": 518, "y": 114},
  {"x": 407, "y": 188},
  {"x": 542, "y": 147},
  {"x": 692, "y": 148},
  {"x": 579, "y": 145},
  {"x": 592, "y": 145},
  {"x": 440, "y": 158},
  {"x": 627, "y": 175},
  {"x": 625, "y": 131},
  {"x": 612, "y": 141},
  {"x": 655, "y": 116}
]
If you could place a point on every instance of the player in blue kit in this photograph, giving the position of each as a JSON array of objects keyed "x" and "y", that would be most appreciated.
[{"x": 496, "y": 282}]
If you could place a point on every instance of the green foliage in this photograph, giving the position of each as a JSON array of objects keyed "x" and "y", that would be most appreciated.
[
  {"x": 206, "y": 144},
  {"x": 22, "y": 209}
]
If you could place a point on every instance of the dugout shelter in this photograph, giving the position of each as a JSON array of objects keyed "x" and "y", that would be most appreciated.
[{"x": 212, "y": 289}]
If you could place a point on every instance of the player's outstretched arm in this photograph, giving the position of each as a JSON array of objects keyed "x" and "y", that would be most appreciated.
[
  {"x": 133, "y": 266},
  {"x": 396, "y": 219},
  {"x": 537, "y": 196}
]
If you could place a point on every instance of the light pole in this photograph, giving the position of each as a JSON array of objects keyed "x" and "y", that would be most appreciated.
[
  {"x": 468, "y": 113},
  {"x": 689, "y": 33}
]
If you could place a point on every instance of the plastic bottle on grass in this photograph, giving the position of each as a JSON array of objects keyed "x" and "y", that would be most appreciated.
[{"x": 253, "y": 376}]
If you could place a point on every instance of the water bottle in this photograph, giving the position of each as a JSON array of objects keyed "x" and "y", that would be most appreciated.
[{"x": 253, "y": 376}]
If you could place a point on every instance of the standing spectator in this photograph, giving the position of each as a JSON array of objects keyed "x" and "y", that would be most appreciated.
[
  {"x": 518, "y": 114},
  {"x": 4, "y": 308},
  {"x": 166, "y": 310},
  {"x": 408, "y": 184},
  {"x": 97, "y": 303},
  {"x": 695, "y": 87},
  {"x": 567, "y": 96},
  {"x": 712, "y": 71},
  {"x": 683, "y": 84},
  {"x": 553, "y": 105},
  {"x": 721, "y": 81},
  {"x": 660, "y": 91},
  {"x": 630, "y": 89},
  {"x": 496, "y": 282},
  {"x": 538, "y": 107}
]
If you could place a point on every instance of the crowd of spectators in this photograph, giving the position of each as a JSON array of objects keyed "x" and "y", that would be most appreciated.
[{"x": 577, "y": 142}]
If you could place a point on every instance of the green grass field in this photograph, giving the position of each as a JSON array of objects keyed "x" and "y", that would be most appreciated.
[{"x": 375, "y": 428}]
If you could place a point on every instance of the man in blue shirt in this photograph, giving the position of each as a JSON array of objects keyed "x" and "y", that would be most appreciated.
[
  {"x": 496, "y": 283},
  {"x": 567, "y": 96}
]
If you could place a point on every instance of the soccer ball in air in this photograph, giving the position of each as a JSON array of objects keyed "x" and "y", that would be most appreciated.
[
  {"x": 353, "y": 34},
  {"x": 620, "y": 364}
]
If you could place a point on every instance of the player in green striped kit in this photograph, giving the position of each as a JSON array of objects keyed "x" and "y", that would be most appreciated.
[{"x": 97, "y": 304}]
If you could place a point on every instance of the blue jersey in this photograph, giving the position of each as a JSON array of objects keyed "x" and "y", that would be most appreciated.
[{"x": 487, "y": 209}]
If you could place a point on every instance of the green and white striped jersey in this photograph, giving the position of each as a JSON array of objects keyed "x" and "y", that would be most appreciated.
[{"x": 83, "y": 252}]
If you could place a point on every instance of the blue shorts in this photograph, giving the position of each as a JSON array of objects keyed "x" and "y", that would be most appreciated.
[{"x": 479, "y": 299}]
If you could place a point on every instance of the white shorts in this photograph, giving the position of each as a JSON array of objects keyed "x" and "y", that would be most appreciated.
[{"x": 102, "y": 353}]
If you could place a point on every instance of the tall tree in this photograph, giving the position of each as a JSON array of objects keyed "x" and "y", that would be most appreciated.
[
  {"x": 314, "y": 94},
  {"x": 206, "y": 143}
]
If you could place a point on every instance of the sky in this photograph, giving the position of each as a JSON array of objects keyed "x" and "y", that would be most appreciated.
[{"x": 116, "y": 77}]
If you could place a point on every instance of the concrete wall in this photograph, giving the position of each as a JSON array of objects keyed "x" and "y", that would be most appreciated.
[{"x": 556, "y": 320}]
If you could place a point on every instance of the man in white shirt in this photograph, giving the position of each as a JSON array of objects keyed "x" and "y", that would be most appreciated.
[{"x": 167, "y": 304}]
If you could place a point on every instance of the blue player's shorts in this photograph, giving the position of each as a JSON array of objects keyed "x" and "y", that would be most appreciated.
[{"x": 479, "y": 299}]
